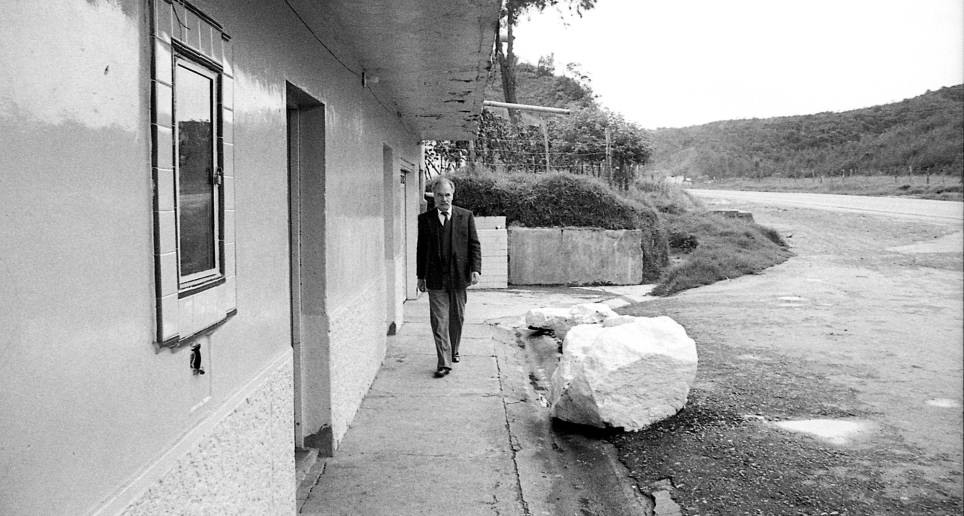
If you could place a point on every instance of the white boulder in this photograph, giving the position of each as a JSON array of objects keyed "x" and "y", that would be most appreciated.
[
  {"x": 628, "y": 375},
  {"x": 617, "y": 320},
  {"x": 560, "y": 320}
]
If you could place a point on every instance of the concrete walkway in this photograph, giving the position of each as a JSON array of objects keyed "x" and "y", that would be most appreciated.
[{"x": 421, "y": 445}]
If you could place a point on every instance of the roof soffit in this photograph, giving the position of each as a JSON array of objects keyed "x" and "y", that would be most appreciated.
[{"x": 431, "y": 58}]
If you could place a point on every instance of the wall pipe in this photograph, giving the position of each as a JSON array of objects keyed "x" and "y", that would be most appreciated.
[{"x": 525, "y": 107}]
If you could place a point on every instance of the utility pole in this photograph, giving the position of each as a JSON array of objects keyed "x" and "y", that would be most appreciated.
[
  {"x": 545, "y": 142},
  {"x": 609, "y": 154},
  {"x": 472, "y": 155}
]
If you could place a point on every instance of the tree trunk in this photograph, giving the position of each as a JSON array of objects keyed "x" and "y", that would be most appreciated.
[{"x": 507, "y": 62}]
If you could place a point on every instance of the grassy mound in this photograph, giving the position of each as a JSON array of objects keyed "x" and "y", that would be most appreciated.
[
  {"x": 684, "y": 245},
  {"x": 564, "y": 200},
  {"x": 708, "y": 248},
  {"x": 547, "y": 200}
]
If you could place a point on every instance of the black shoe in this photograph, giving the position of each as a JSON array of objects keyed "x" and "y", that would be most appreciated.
[
  {"x": 455, "y": 358},
  {"x": 442, "y": 371}
]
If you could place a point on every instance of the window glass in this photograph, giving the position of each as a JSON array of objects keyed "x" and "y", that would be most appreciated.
[{"x": 193, "y": 109}]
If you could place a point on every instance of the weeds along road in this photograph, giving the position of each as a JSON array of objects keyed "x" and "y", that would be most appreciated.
[{"x": 863, "y": 326}]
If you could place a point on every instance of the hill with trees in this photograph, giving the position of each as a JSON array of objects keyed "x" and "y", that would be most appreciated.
[
  {"x": 539, "y": 85},
  {"x": 591, "y": 140},
  {"x": 924, "y": 134}
]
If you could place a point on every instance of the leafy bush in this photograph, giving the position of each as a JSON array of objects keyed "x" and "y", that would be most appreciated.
[
  {"x": 550, "y": 200},
  {"x": 682, "y": 242}
]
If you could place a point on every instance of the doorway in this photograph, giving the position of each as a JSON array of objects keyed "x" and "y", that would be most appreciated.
[
  {"x": 309, "y": 316},
  {"x": 389, "y": 218}
]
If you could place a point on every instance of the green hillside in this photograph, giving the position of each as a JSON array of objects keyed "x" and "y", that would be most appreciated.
[
  {"x": 924, "y": 132},
  {"x": 538, "y": 85}
]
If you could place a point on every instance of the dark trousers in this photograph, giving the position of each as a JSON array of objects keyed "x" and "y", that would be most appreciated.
[{"x": 446, "y": 313}]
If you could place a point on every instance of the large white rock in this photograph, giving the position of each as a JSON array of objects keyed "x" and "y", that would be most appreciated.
[
  {"x": 559, "y": 320},
  {"x": 628, "y": 375}
]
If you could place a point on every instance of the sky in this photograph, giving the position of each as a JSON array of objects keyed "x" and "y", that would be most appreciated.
[{"x": 674, "y": 63}]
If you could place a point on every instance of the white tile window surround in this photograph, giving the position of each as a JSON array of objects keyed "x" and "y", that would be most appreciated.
[{"x": 189, "y": 304}]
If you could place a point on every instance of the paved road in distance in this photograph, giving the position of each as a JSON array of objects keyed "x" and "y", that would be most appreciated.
[{"x": 921, "y": 209}]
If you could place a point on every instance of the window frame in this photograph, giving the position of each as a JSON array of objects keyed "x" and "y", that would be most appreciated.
[
  {"x": 199, "y": 303},
  {"x": 193, "y": 283}
]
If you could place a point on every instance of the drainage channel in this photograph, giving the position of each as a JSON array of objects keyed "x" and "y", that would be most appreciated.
[{"x": 562, "y": 469}]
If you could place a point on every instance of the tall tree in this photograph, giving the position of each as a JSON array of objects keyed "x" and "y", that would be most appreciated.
[{"x": 510, "y": 16}]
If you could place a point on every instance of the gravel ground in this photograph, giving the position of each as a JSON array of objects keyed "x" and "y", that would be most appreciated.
[
  {"x": 721, "y": 455},
  {"x": 864, "y": 325}
]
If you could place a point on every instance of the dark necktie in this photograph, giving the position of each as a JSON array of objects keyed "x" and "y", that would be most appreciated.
[{"x": 445, "y": 217}]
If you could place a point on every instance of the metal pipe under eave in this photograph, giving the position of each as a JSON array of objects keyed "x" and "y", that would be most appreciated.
[{"x": 525, "y": 107}]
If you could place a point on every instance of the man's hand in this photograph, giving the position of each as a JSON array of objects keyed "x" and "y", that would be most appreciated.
[
  {"x": 421, "y": 285},
  {"x": 475, "y": 277}
]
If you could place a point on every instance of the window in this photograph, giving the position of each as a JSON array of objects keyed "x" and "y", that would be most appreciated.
[
  {"x": 198, "y": 174},
  {"x": 192, "y": 158}
]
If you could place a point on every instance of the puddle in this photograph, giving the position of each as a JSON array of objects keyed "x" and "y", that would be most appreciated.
[
  {"x": 943, "y": 403},
  {"x": 626, "y": 294},
  {"x": 791, "y": 301},
  {"x": 834, "y": 431}
]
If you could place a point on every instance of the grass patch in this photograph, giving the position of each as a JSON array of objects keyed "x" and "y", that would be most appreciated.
[{"x": 707, "y": 248}]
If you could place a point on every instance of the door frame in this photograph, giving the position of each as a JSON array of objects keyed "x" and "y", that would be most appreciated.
[{"x": 307, "y": 259}]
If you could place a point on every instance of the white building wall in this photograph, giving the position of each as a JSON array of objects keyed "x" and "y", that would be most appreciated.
[
  {"x": 94, "y": 418},
  {"x": 201, "y": 477}
]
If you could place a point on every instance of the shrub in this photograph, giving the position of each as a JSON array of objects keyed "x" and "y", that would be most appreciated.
[
  {"x": 548, "y": 200},
  {"x": 949, "y": 189},
  {"x": 682, "y": 242},
  {"x": 772, "y": 235},
  {"x": 485, "y": 196}
]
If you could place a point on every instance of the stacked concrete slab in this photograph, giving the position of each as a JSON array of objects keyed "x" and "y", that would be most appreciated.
[{"x": 495, "y": 245}]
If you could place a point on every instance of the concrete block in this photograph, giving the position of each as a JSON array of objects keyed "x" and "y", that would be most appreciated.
[
  {"x": 489, "y": 223},
  {"x": 495, "y": 244},
  {"x": 575, "y": 256}
]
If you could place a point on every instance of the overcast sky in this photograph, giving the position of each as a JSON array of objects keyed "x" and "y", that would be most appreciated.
[{"x": 672, "y": 63}]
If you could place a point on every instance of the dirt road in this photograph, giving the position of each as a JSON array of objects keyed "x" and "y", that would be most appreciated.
[
  {"x": 862, "y": 331},
  {"x": 922, "y": 209}
]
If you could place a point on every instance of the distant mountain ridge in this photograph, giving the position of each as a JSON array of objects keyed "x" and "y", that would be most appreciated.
[{"x": 923, "y": 134}]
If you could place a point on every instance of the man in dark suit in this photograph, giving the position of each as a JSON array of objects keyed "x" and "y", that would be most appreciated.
[{"x": 449, "y": 260}]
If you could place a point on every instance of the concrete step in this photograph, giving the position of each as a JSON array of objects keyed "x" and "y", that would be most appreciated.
[{"x": 305, "y": 458}]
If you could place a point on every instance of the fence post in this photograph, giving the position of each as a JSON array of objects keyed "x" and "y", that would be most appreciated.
[{"x": 472, "y": 155}]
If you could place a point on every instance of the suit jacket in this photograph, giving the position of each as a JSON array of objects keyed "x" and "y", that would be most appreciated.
[{"x": 466, "y": 252}]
